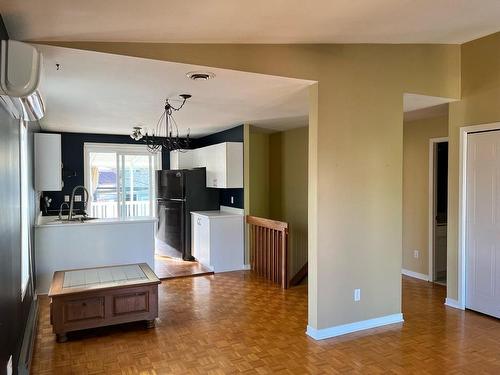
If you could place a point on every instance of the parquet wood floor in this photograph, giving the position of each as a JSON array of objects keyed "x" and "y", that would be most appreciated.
[{"x": 236, "y": 323}]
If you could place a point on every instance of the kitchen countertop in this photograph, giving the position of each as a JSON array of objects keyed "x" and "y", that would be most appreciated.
[
  {"x": 55, "y": 222},
  {"x": 217, "y": 214}
]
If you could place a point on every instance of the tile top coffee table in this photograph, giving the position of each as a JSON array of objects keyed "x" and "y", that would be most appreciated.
[{"x": 96, "y": 297}]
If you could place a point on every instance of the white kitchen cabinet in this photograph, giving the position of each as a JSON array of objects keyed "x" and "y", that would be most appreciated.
[
  {"x": 218, "y": 240},
  {"x": 182, "y": 159},
  {"x": 48, "y": 162},
  {"x": 223, "y": 161}
]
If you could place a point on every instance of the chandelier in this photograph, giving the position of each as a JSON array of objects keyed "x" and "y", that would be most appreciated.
[{"x": 165, "y": 136}]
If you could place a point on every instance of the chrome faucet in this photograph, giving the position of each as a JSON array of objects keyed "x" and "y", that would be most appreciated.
[
  {"x": 61, "y": 208},
  {"x": 72, "y": 201}
]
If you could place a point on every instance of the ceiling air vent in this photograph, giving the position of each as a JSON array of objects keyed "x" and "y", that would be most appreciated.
[{"x": 200, "y": 76}]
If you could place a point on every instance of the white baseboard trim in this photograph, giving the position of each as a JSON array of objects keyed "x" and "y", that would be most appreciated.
[
  {"x": 325, "y": 333},
  {"x": 453, "y": 303},
  {"x": 416, "y": 275},
  {"x": 246, "y": 267}
]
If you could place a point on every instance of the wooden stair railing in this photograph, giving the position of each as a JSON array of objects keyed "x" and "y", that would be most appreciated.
[{"x": 269, "y": 249}]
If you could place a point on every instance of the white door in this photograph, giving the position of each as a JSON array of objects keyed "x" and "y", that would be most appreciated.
[{"x": 483, "y": 223}]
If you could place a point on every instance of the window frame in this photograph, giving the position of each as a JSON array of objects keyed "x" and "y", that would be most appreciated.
[{"x": 120, "y": 149}]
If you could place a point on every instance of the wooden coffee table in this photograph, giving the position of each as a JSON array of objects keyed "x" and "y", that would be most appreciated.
[{"x": 97, "y": 297}]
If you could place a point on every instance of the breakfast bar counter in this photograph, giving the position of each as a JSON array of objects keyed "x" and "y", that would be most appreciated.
[{"x": 61, "y": 245}]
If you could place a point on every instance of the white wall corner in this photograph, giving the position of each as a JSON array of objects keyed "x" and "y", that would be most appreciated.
[
  {"x": 416, "y": 275},
  {"x": 325, "y": 333},
  {"x": 454, "y": 303}
]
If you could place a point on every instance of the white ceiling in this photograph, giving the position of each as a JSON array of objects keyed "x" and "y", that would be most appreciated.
[
  {"x": 257, "y": 21},
  {"x": 413, "y": 102},
  {"x": 424, "y": 113},
  {"x": 416, "y": 106},
  {"x": 104, "y": 93}
]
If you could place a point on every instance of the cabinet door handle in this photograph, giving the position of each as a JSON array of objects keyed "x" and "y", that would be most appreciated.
[{"x": 198, "y": 221}]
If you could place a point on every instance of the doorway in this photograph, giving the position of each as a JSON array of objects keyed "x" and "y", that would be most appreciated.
[{"x": 438, "y": 209}]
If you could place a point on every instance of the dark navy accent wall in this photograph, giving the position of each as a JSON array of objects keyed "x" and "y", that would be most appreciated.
[
  {"x": 13, "y": 311},
  {"x": 231, "y": 135},
  {"x": 72, "y": 159}
]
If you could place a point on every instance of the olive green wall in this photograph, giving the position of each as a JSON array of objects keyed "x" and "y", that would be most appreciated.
[
  {"x": 278, "y": 184},
  {"x": 479, "y": 105},
  {"x": 288, "y": 190},
  {"x": 416, "y": 136},
  {"x": 355, "y": 150},
  {"x": 259, "y": 173}
]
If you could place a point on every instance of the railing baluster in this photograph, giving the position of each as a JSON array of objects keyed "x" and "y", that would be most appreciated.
[{"x": 269, "y": 249}]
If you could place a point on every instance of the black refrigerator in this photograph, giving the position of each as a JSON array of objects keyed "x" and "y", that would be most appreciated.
[{"x": 178, "y": 192}]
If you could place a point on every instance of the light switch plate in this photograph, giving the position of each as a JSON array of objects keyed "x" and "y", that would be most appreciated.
[
  {"x": 416, "y": 253},
  {"x": 357, "y": 295}
]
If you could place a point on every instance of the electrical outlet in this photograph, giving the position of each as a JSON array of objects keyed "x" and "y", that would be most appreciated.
[
  {"x": 357, "y": 295},
  {"x": 66, "y": 198},
  {"x": 78, "y": 198},
  {"x": 232, "y": 199},
  {"x": 9, "y": 366},
  {"x": 416, "y": 254}
]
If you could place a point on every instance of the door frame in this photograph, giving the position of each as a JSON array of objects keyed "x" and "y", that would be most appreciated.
[
  {"x": 432, "y": 199},
  {"x": 462, "y": 210}
]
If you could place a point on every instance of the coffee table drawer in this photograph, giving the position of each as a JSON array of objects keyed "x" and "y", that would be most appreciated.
[
  {"x": 130, "y": 303},
  {"x": 82, "y": 309}
]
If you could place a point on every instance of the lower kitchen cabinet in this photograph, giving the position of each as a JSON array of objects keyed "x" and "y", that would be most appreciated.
[{"x": 218, "y": 240}]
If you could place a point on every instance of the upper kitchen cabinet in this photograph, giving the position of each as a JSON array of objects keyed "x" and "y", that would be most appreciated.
[
  {"x": 223, "y": 161},
  {"x": 182, "y": 159},
  {"x": 48, "y": 164}
]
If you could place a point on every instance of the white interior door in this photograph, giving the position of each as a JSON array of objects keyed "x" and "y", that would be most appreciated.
[{"x": 483, "y": 223}]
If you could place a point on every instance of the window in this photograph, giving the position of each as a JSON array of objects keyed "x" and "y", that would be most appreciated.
[
  {"x": 120, "y": 180},
  {"x": 25, "y": 209}
]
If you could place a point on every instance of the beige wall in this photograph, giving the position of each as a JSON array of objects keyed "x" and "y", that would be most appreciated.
[
  {"x": 355, "y": 155},
  {"x": 416, "y": 136},
  {"x": 479, "y": 105},
  {"x": 288, "y": 190}
]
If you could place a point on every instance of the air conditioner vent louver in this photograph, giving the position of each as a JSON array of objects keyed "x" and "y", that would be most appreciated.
[{"x": 20, "y": 68}]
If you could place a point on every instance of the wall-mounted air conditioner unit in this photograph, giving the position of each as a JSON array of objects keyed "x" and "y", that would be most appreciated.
[{"x": 20, "y": 70}]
